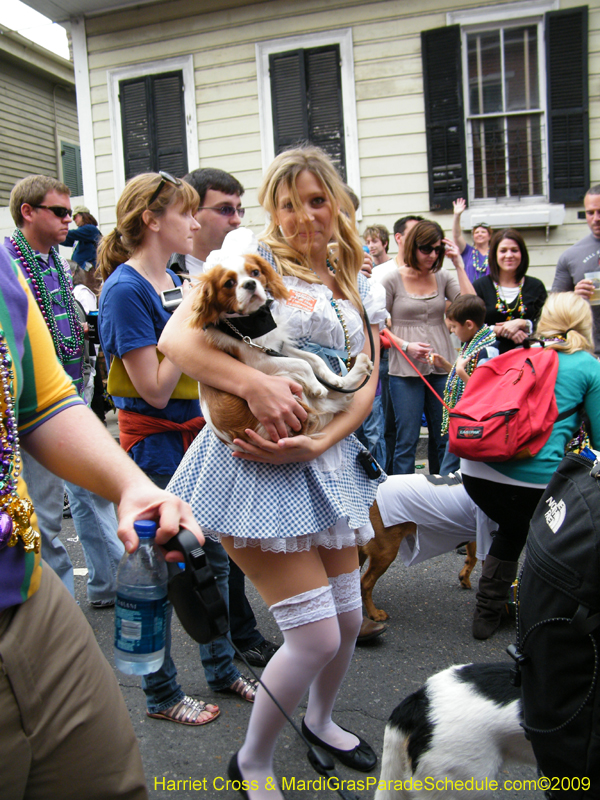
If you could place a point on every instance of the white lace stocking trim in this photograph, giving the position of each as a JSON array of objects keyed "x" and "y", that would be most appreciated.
[
  {"x": 311, "y": 606},
  {"x": 346, "y": 591}
]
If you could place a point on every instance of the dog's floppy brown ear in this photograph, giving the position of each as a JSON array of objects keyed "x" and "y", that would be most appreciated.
[
  {"x": 275, "y": 284},
  {"x": 203, "y": 309}
]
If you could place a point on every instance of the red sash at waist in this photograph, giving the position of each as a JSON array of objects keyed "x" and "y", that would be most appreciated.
[{"x": 134, "y": 428}]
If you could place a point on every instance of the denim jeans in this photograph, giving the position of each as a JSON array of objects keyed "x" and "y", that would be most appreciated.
[
  {"x": 95, "y": 522},
  {"x": 389, "y": 421},
  {"x": 450, "y": 463},
  {"x": 371, "y": 432},
  {"x": 96, "y": 525},
  {"x": 242, "y": 621},
  {"x": 46, "y": 491},
  {"x": 410, "y": 397}
]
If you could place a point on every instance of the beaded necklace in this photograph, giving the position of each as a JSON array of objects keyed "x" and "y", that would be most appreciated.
[
  {"x": 455, "y": 386},
  {"x": 482, "y": 267},
  {"x": 336, "y": 307},
  {"x": 15, "y": 512},
  {"x": 66, "y": 347},
  {"x": 516, "y": 309}
]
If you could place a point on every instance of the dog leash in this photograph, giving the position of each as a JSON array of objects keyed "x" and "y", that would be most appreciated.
[
  {"x": 269, "y": 352},
  {"x": 202, "y": 612},
  {"x": 385, "y": 336}
]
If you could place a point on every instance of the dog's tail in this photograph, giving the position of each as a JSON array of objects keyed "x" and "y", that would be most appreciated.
[{"x": 397, "y": 766}]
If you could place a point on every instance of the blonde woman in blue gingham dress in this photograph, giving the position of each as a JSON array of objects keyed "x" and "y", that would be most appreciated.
[{"x": 291, "y": 510}]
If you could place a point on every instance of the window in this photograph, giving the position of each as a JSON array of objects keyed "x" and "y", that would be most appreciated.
[
  {"x": 153, "y": 120},
  {"x": 70, "y": 155},
  {"x": 506, "y": 106},
  {"x": 306, "y": 94},
  {"x": 505, "y": 119}
]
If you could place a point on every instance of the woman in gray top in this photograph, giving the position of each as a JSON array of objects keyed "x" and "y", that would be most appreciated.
[{"x": 416, "y": 297}]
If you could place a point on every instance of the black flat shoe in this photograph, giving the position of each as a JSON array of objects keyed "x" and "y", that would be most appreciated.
[
  {"x": 234, "y": 774},
  {"x": 361, "y": 758}
]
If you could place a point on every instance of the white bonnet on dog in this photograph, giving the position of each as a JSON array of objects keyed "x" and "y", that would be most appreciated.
[{"x": 236, "y": 244}]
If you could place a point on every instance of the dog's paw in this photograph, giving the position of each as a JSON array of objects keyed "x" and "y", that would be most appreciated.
[
  {"x": 378, "y": 614},
  {"x": 464, "y": 580},
  {"x": 363, "y": 364}
]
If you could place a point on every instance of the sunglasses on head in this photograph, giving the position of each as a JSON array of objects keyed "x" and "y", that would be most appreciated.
[
  {"x": 226, "y": 210},
  {"x": 59, "y": 211},
  {"x": 165, "y": 177},
  {"x": 427, "y": 249}
]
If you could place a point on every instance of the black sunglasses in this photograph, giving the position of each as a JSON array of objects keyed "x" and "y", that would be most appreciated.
[
  {"x": 427, "y": 249},
  {"x": 59, "y": 211},
  {"x": 225, "y": 210},
  {"x": 165, "y": 177}
]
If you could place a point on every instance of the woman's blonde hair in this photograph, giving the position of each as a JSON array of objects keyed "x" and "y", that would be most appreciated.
[
  {"x": 283, "y": 174},
  {"x": 117, "y": 246},
  {"x": 569, "y": 315}
]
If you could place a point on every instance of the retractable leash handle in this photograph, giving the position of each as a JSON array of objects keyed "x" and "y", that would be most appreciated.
[{"x": 201, "y": 609}]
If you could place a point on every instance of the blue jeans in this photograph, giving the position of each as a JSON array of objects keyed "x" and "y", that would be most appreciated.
[
  {"x": 95, "y": 522},
  {"x": 96, "y": 525},
  {"x": 46, "y": 491},
  {"x": 371, "y": 432},
  {"x": 161, "y": 688},
  {"x": 450, "y": 463},
  {"x": 389, "y": 421},
  {"x": 410, "y": 397}
]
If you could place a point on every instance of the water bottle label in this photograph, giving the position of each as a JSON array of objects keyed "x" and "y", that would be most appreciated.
[{"x": 140, "y": 625}]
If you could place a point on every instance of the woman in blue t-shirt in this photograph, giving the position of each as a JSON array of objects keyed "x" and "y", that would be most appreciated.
[{"x": 158, "y": 415}]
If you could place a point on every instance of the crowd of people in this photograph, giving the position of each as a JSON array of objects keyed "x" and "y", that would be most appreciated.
[{"x": 307, "y": 498}]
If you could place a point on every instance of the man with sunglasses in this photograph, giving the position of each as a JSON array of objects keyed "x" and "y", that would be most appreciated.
[
  {"x": 220, "y": 212},
  {"x": 41, "y": 209}
]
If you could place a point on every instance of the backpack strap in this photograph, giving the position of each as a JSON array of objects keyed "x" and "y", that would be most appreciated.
[{"x": 584, "y": 621}]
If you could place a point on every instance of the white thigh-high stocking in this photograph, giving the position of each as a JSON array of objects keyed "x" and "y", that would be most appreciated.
[
  {"x": 311, "y": 639},
  {"x": 324, "y": 689}
]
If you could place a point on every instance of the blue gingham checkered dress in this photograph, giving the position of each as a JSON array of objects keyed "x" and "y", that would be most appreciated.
[{"x": 286, "y": 507}]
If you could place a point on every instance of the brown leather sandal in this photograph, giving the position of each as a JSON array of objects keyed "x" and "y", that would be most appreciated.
[
  {"x": 188, "y": 712},
  {"x": 245, "y": 687}
]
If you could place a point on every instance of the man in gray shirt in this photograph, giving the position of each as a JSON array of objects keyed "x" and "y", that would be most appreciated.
[{"x": 582, "y": 257}]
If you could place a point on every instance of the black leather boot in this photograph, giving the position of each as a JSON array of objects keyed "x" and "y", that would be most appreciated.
[{"x": 493, "y": 592}]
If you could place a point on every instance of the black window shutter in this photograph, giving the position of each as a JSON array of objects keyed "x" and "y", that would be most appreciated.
[
  {"x": 568, "y": 111},
  {"x": 444, "y": 118},
  {"x": 288, "y": 98},
  {"x": 71, "y": 167},
  {"x": 306, "y": 96},
  {"x": 153, "y": 120}
]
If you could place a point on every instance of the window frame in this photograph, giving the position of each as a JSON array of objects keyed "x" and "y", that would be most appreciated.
[
  {"x": 480, "y": 20},
  {"x": 341, "y": 37},
  {"x": 78, "y": 166},
  {"x": 184, "y": 64}
]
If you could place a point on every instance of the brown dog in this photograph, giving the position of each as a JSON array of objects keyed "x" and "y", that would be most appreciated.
[{"x": 383, "y": 549}]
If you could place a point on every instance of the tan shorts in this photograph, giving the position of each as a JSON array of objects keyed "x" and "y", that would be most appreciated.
[{"x": 64, "y": 728}]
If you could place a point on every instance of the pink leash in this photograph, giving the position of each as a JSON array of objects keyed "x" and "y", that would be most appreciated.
[{"x": 384, "y": 335}]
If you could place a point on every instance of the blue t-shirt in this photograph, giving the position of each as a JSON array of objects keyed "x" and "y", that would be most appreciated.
[{"x": 131, "y": 316}]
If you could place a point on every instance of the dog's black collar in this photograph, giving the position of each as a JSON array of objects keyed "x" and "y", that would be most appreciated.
[{"x": 250, "y": 326}]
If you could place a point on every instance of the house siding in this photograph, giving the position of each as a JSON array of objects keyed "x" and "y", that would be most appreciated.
[
  {"x": 32, "y": 107},
  {"x": 388, "y": 83}
]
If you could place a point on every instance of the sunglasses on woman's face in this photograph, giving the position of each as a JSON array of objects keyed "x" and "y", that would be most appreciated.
[
  {"x": 428, "y": 249},
  {"x": 165, "y": 177}
]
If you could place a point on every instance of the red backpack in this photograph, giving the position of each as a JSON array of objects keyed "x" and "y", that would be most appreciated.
[{"x": 508, "y": 407}]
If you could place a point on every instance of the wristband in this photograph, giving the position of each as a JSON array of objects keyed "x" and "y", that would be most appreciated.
[{"x": 404, "y": 346}]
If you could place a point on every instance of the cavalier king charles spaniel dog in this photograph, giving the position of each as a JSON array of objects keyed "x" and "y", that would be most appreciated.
[{"x": 231, "y": 304}]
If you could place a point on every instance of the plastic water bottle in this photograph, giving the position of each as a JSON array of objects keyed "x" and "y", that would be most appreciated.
[{"x": 140, "y": 613}]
